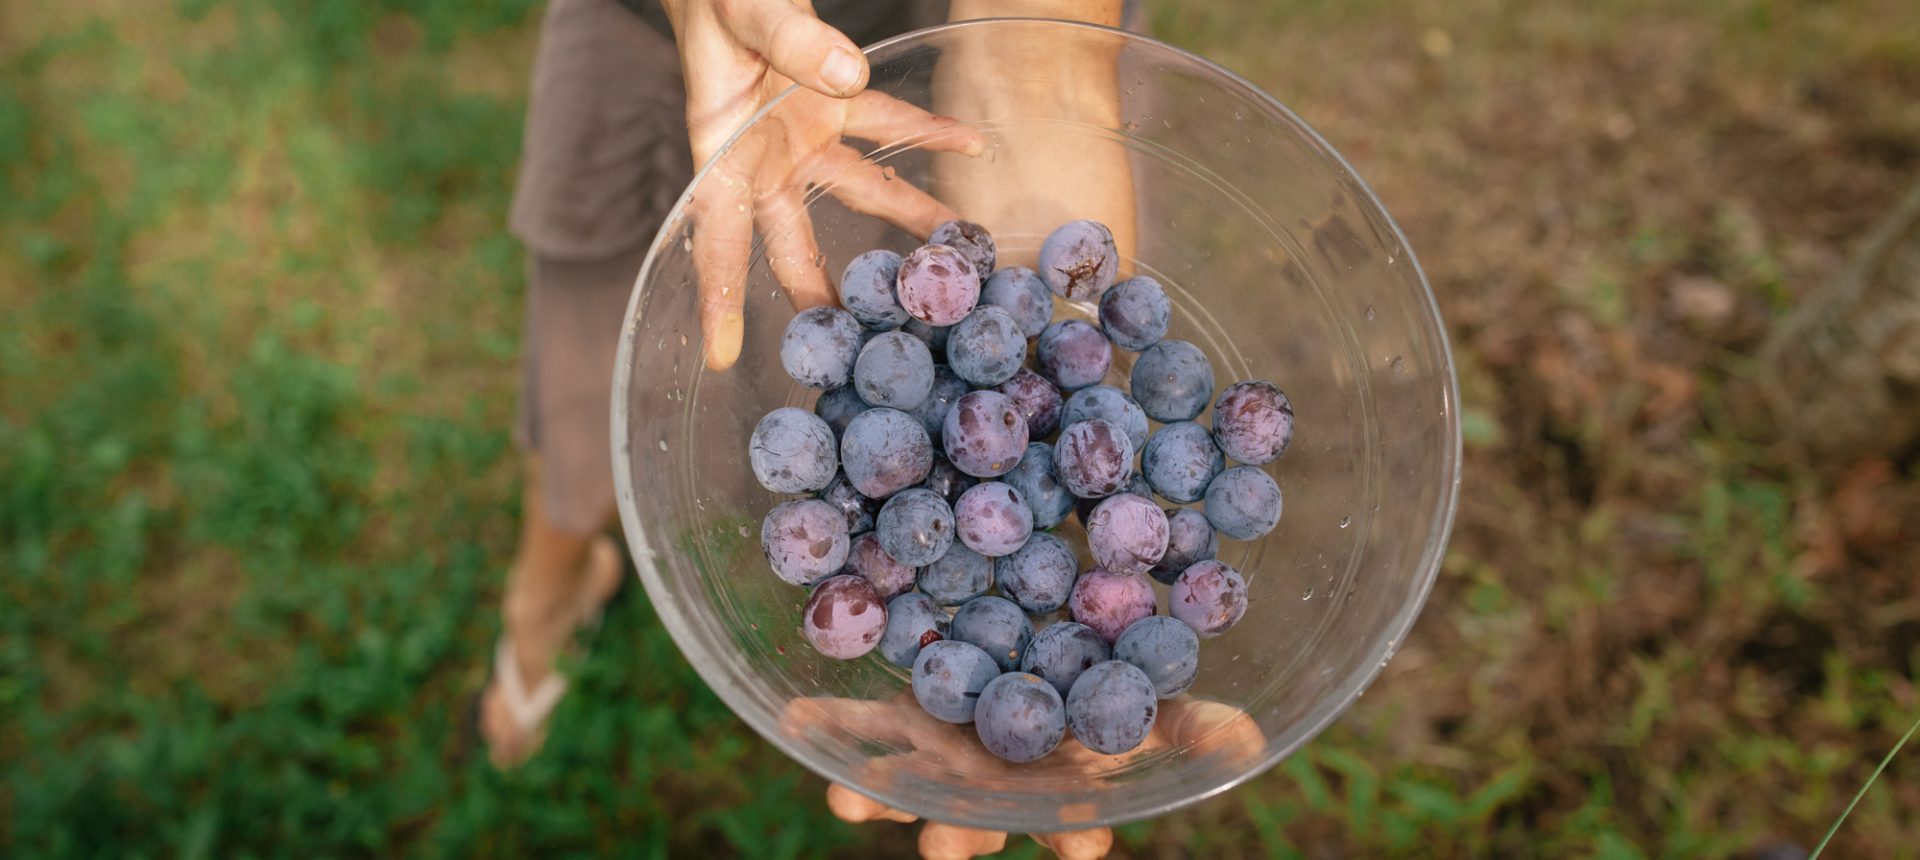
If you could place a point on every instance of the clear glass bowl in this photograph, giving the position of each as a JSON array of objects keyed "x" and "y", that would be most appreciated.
[{"x": 1281, "y": 265}]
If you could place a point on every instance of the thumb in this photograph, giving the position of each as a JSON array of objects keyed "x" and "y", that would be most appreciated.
[{"x": 799, "y": 45}]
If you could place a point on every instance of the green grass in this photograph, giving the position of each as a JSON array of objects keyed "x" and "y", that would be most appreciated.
[{"x": 259, "y": 359}]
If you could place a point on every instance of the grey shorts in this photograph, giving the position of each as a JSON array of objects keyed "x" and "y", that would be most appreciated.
[{"x": 604, "y": 156}]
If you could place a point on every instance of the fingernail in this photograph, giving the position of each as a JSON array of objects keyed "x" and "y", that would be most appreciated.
[{"x": 841, "y": 70}]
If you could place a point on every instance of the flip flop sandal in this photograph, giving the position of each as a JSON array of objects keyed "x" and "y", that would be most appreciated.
[{"x": 529, "y": 710}]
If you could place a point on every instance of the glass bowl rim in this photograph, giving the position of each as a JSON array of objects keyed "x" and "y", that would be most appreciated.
[{"x": 764, "y": 723}]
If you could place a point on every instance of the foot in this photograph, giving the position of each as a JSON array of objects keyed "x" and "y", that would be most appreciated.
[{"x": 513, "y": 730}]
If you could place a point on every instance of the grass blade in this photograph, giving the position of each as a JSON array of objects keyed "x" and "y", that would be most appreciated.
[{"x": 1863, "y": 791}]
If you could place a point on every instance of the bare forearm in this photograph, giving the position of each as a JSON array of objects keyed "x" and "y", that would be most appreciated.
[{"x": 1105, "y": 12}]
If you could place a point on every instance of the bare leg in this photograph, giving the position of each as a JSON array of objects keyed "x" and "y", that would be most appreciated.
[{"x": 559, "y": 577}]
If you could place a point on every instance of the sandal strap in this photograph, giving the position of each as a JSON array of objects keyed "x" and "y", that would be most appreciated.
[{"x": 529, "y": 710}]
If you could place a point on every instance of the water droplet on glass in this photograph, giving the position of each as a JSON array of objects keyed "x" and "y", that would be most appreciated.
[
  {"x": 1130, "y": 126},
  {"x": 1308, "y": 595},
  {"x": 1389, "y": 259},
  {"x": 1398, "y": 364},
  {"x": 1346, "y": 521},
  {"x": 743, "y": 533},
  {"x": 686, "y": 243},
  {"x": 820, "y": 261},
  {"x": 683, "y": 340},
  {"x": 663, "y": 444},
  {"x": 1369, "y": 313}
]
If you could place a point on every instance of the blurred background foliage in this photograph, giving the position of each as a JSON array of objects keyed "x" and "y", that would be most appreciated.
[{"x": 258, "y": 366}]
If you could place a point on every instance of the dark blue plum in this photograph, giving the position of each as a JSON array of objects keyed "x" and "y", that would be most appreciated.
[
  {"x": 971, "y": 240},
  {"x": 1209, "y": 597},
  {"x": 914, "y": 621},
  {"x": 1061, "y": 652},
  {"x": 1243, "y": 503},
  {"x": 1111, "y": 707},
  {"x": 820, "y": 346},
  {"x": 1036, "y": 398},
  {"x": 1136, "y": 484},
  {"x": 867, "y": 289},
  {"x": 1166, "y": 649},
  {"x": 932, "y": 411},
  {"x": 1106, "y": 401},
  {"x": 1034, "y": 478},
  {"x": 885, "y": 451},
  {"x": 1020, "y": 717},
  {"x": 1039, "y": 575},
  {"x": 894, "y": 369},
  {"x": 1180, "y": 460},
  {"x": 948, "y": 677},
  {"x": 1253, "y": 421},
  {"x": 987, "y": 347},
  {"x": 1072, "y": 354},
  {"x": 869, "y": 559},
  {"x": 992, "y": 519},
  {"x": 837, "y": 406},
  {"x": 1110, "y": 602},
  {"x": 1093, "y": 459},
  {"x": 1173, "y": 381},
  {"x": 948, "y": 481},
  {"x": 934, "y": 336},
  {"x": 957, "y": 576},
  {"x": 1127, "y": 534},
  {"x": 1190, "y": 539},
  {"x": 844, "y": 617},
  {"x": 1078, "y": 260},
  {"x": 915, "y": 527},
  {"x": 997, "y": 626},
  {"x": 1135, "y": 313},
  {"x": 1023, "y": 294},
  {"x": 985, "y": 434},
  {"x": 857, "y": 508},
  {"x": 937, "y": 285},
  {"x": 805, "y": 541},
  {"x": 793, "y": 451}
]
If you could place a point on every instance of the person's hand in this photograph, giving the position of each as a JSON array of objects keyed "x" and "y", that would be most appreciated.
[
  {"x": 1204, "y": 728},
  {"x": 736, "y": 56}
]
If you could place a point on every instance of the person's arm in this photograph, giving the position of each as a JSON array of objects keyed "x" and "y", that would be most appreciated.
[{"x": 1041, "y": 178}]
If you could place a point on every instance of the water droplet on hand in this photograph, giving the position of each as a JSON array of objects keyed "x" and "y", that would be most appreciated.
[{"x": 887, "y": 172}]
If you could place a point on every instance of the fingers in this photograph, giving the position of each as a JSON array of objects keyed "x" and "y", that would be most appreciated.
[
  {"x": 792, "y": 251},
  {"x": 1078, "y": 844},
  {"x": 722, "y": 247},
  {"x": 856, "y": 808},
  {"x": 1212, "y": 728},
  {"x": 870, "y": 189},
  {"x": 886, "y": 120},
  {"x": 799, "y": 45},
  {"x": 951, "y": 842}
]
